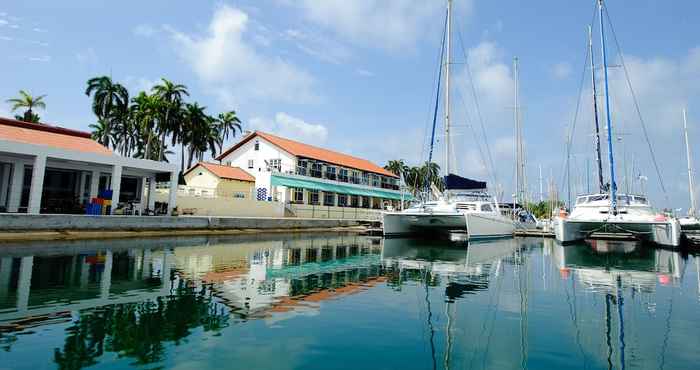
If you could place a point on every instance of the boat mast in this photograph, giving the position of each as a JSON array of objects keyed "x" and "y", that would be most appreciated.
[
  {"x": 517, "y": 135},
  {"x": 611, "y": 158},
  {"x": 599, "y": 161},
  {"x": 691, "y": 188},
  {"x": 447, "y": 87}
]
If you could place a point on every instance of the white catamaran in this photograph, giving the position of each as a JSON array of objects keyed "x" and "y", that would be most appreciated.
[
  {"x": 609, "y": 213},
  {"x": 465, "y": 206}
]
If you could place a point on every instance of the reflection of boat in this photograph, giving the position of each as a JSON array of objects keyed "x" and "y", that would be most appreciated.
[{"x": 608, "y": 213}]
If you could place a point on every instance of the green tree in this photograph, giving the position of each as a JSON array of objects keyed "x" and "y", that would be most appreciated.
[
  {"x": 29, "y": 102},
  {"x": 171, "y": 96},
  {"x": 397, "y": 167},
  {"x": 227, "y": 124},
  {"x": 200, "y": 132},
  {"x": 101, "y": 132},
  {"x": 109, "y": 98}
]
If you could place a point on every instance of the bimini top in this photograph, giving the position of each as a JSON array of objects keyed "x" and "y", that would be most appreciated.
[{"x": 455, "y": 182}]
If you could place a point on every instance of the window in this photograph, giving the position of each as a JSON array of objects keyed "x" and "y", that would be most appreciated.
[
  {"x": 239, "y": 195},
  {"x": 316, "y": 170},
  {"x": 298, "y": 195},
  {"x": 375, "y": 180},
  {"x": 365, "y": 202},
  {"x": 486, "y": 208},
  {"x": 302, "y": 166},
  {"x": 200, "y": 174},
  {"x": 313, "y": 197},
  {"x": 274, "y": 164},
  {"x": 342, "y": 200},
  {"x": 365, "y": 178},
  {"x": 343, "y": 176},
  {"x": 328, "y": 199},
  {"x": 251, "y": 164},
  {"x": 355, "y": 177},
  {"x": 228, "y": 163},
  {"x": 257, "y": 146},
  {"x": 330, "y": 173},
  {"x": 354, "y": 201}
]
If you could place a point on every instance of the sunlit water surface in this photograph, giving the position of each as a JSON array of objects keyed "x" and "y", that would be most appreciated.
[{"x": 337, "y": 301}]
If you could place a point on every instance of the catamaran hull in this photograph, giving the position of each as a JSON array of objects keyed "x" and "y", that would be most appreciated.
[
  {"x": 483, "y": 226},
  {"x": 667, "y": 233},
  {"x": 476, "y": 226}
]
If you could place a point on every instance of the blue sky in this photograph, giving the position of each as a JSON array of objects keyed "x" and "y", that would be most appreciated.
[{"x": 358, "y": 76}]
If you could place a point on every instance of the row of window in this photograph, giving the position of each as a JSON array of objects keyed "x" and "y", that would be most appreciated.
[
  {"x": 329, "y": 199},
  {"x": 320, "y": 170}
]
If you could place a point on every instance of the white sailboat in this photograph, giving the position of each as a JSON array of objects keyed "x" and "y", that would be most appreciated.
[
  {"x": 466, "y": 209},
  {"x": 690, "y": 222},
  {"x": 609, "y": 213}
]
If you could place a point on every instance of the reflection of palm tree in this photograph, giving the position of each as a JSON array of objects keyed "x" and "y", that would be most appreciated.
[{"x": 139, "y": 330}]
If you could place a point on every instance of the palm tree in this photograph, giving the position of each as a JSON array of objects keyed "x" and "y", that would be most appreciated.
[
  {"x": 199, "y": 132},
  {"x": 227, "y": 124},
  {"x": 397, "y": 167},
  {"x": 145, "y": 110},
  {"x": 171, "y": 95},
  {"x": 101, "y": 132},
  {"x": 26, "y": 100},
  {"x": 107, "y": 96}
]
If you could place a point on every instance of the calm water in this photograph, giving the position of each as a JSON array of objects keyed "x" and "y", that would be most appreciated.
[{"x": 346, "y": 302}]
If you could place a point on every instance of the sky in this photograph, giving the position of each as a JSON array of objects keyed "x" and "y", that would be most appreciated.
[{"x": 359, "y": 76}]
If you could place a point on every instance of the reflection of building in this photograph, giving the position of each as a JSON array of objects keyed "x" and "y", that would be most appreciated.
[
  {"x": 293, "y": 172},
  {"x": 48, "y": 169},
  {"x": 28, "y": 283}
]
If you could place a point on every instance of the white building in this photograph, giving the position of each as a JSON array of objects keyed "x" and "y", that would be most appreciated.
[
  {"x": 49, "y": 169},
  {"x": 292, "y": 172}
]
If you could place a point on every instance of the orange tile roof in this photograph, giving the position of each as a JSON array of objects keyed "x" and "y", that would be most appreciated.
[
  {"x": 225, "y": 172},
  {"x": 53, "y": 136},
  {"x": 312, "y": 152}
]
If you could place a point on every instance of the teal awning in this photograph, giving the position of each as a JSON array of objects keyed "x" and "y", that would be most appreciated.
[{"x": 334, "y": 188}]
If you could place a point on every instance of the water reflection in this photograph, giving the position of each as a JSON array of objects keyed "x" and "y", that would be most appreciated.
[{"x": 509, "y": 303}]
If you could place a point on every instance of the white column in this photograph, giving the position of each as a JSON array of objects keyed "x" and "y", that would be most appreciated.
[
  {"x": 116, "y": 185},
  {"x": 94, "y": 184},
  {"x": 152, "y": 193},
  {"x": 16, "y": 187},
  {"x": 24, "y": 283},
  {"x": 165, "y": 273},
  {"x": 81, "y": 186},
  {"x": 4, "y": 183},
  {"x": 37, "y": 187},
  {"x": 106, "y": 281},
  {"x": 172, "y": 198}
]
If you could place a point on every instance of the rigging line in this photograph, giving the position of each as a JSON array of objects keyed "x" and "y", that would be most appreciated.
[
  {"x": 476, "y": 140},
  {"x": 430, "y": 322},
  {"x": 493, "y": 320},
  {"x": 636, "y": 105},
  {"x": 574, "y": 318},
  {"x": 437, "y": 95},
  {"x": 477, "y": 106},
  {"x": 436, "y": 82},
  {"x": 664, "y": 346},
  {"x": 570, "y": 137}
]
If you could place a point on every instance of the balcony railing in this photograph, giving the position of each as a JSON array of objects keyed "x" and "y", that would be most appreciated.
[{"x": 322, "y": 174}]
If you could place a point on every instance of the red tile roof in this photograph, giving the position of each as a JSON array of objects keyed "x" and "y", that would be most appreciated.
[
  {"x": 312, "y": 152},
  {"x": 225, "y": 172},
  {"x": 53, "y": 136}
]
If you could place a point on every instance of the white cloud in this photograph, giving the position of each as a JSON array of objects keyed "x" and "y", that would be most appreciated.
[
  {"x": 6, "y": 38},
  {"x": 365, "y": 73},
  {"x": 378, "y": 23},
  {"x": 87, "y": 56},
  {"x": 15, "y": 26},
  {"x": 234, "y": 70},
  {"x": 561, "y": 70},
  {"x": 138, "y": 84},
  {"x": 3, "y": 22},
  {"x": 43, "y": 59},
  {"x": 144, "y": 30},
  {"x": 291, "y": 127},
  {"x": 41, "y": 30},
  {"x": 318, "y": 46}
]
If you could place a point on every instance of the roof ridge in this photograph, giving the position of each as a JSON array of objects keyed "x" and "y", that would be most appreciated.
[
  {"x": 311, "y": 145},
  {"x": 45, "y": 127}
]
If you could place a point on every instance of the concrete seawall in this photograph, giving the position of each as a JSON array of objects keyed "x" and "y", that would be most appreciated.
[
  {"x": 20, "y": 222},
  {"x": 18, "y": 227}
]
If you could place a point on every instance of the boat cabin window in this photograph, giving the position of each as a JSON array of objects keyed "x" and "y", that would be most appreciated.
[
  {"x": 581, "y": 200},
  {"x": 624, "y": 199},
  {"x": 486, "y": 208},
  {"x": 466, "y": 206},
  {"x": 642, "y": 200},
  {"x": 598, "y": 197}
]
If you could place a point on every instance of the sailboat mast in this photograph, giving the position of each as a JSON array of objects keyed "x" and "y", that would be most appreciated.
[
  {"x": 517, "y": 135},
  {"x": 599, "y": 161},
  {"x": 447, "y": 86},
  {"x": 611, "y": 157},
  {"x": 691, "y": 187}
]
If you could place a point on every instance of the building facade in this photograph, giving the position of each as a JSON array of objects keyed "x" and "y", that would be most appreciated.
[
  {"x": 296, "y": 173},
  {"x": 49, "y": 169},
  {"x": 223, "y": 181}
]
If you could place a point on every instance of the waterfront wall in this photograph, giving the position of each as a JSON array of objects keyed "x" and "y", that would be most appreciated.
[
  {"x": 21, "y": 222},
  {"x": 225, "y": 206}
]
